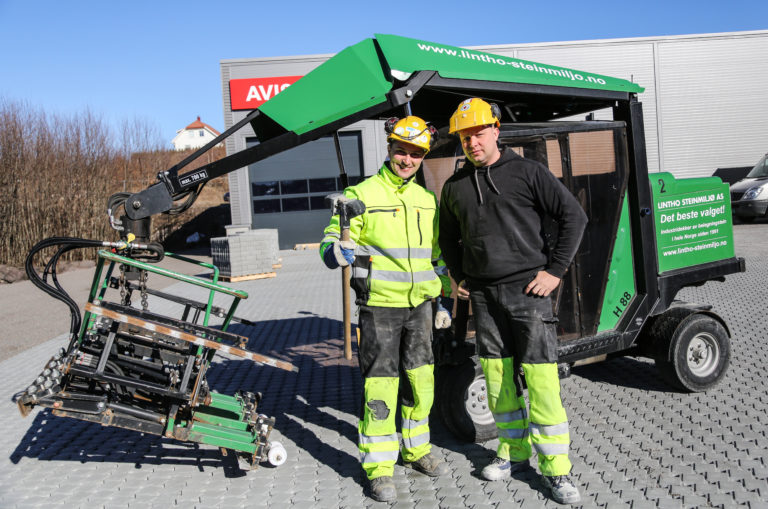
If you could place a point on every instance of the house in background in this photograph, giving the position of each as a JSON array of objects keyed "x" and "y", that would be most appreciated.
[{"x": 195, "y": 135}]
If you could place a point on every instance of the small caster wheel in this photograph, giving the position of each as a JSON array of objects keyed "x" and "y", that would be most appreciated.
[{"x": 277, "y": 454}]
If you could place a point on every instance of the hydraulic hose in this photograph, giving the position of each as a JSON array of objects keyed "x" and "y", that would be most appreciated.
[
  {"x": 55, "y": 290},
  {"x": 50, "y": 268},
  {"x": 66, "y": 244},
  {"x": 190, "y": 195}
]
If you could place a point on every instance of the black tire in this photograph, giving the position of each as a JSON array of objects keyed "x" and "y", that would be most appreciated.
[
  {"x": 696, "y": 355},
  {"x": 462, "y": 404}
]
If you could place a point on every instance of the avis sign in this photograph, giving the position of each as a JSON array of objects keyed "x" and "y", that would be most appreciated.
[{"x": 250, "y": 93}]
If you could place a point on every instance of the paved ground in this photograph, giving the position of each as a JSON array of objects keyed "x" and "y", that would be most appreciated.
[{"x": 636, "y": 443}]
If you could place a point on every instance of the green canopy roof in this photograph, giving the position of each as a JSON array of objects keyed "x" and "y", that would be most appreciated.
[
  {"x": 361, "y": 77},
  {"x": 404, "y": 55}
]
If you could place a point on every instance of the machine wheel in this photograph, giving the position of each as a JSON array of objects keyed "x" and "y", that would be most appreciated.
[
  {"x": 463, "y": 403},
  {"x": 697, "y": 354},
  {"x": 276, "y": 454}
]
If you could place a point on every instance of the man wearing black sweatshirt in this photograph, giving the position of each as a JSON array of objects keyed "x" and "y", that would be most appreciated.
[{"x": 491, "y": 238}]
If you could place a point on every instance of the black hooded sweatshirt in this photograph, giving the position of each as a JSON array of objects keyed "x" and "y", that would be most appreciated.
[{"x": 491, "y": 222}]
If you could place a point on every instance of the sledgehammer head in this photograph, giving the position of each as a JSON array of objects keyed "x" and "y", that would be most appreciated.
[{"x": 345, "y": 207}]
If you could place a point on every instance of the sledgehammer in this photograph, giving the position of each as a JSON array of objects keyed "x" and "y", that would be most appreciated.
[{"x": 346, "y": 208}]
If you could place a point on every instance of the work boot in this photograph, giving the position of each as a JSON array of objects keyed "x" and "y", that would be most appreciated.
[
  {"x": 428, "y": 464},
  {"x": 500, "y": 468},
  {"x": 383, "y": 489},
  {"x": 562, "y": 488}
]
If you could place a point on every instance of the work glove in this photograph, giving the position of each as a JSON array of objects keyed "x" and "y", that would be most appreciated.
[
  {"x": 339, "y": 254},
  {"x": 443, "y": 312}
]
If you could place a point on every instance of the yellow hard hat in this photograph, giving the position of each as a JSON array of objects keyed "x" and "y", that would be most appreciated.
[
  {"x": 411, "y": 130},
  {"x": 473, "y": 112}
]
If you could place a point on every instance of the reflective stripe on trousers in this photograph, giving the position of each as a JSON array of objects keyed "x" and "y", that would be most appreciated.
[
  {"x": 378, "y": 449},
  {"x": 415, "y": 433},
  {"x": 550, "y": 440},
  {"x": 547, "y": 429},
  {"x": 416, "y": 438}
]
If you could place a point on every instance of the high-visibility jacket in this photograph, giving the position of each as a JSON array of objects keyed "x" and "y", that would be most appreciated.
[{"x": 397, "y": 257}]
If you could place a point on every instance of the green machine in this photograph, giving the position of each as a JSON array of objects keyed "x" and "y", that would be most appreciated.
[
  {"x": 136, "y": 369},
  {"x": 648, "y": 237}
]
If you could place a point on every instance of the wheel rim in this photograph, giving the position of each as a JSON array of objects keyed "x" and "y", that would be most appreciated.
[
  {"x": 476, "y": 402},
  {"x": 703, "y": 354}
]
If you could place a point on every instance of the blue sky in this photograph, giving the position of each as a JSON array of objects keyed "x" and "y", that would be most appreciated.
[{"x": 158, "y": 62}]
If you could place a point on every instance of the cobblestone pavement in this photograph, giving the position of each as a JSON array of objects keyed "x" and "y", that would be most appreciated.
[{"x": 636, "y": 442}]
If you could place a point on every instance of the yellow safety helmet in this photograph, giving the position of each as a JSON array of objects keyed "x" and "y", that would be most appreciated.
[
  {"x": 473, "y": 112},
  {"x": 411, "y": 130}
]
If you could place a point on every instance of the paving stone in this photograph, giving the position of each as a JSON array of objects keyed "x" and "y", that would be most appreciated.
[
  {"x": 423, "y": 493},
  {"x": 531, "y": 503},
  {"x": 452, "y": 502},
  {"x": 632, "y": 496},
  {"x": 608, "y": 500},
  {"x": 643, "y": 504},
  {"x": 669, "y": 503},
  {"x": 326, "y": 503},
  {"x": 419, "y": 481},
  {"x": 694, "y": 500},
  {"x": 656, "y": 493},
  {"x": 620, "y": 486},
  {"x": 447, "y": 492},
  {"x": 354, "y": 498},
  {"x": 482, "y": 506},
  {"x": 721, "y": 500},
  {"x": 499, "y": 496},
  {"x": 225, "y": 501},
  {"x": 749, "y": 498},
  {"x": 426, "y": 504}
]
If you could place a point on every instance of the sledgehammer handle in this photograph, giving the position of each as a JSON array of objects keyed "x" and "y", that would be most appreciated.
[{"x": 346, "y": 272}]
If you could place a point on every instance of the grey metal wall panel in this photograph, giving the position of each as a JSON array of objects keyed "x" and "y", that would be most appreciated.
[
  {"x": 631, "y": 61},
  {"x": 374, "y": 145},
  {"x": 238, "y": 202},
  {"x": 713, "y": 102}
]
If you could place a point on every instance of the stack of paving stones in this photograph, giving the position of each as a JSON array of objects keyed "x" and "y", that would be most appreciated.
[
  {"x": 636, "y": 443},
  {"x": 245, "y": 253}
]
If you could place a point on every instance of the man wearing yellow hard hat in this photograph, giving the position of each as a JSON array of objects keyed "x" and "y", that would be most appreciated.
[
  {"x": 491, "y": 214},
  {"x": 396, "y": 272}
]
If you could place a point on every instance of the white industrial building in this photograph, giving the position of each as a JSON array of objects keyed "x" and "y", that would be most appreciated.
[{"x": 705, "y": 106}]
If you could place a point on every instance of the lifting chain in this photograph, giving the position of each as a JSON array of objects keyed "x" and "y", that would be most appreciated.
[
  {"x": 143, "y": 275},
  {"x": 125, "y": 297}
]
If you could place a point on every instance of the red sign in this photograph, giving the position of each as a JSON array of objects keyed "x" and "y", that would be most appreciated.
[{"x": 250, "y": 93}]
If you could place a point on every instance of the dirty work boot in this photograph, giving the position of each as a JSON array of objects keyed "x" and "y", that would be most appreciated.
[
  {"x": 383, "y": 489},
  {"x": 500, "y": 468},
  {"x": 428, "y": 464},
  {"x": 563, "y": 489}
]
